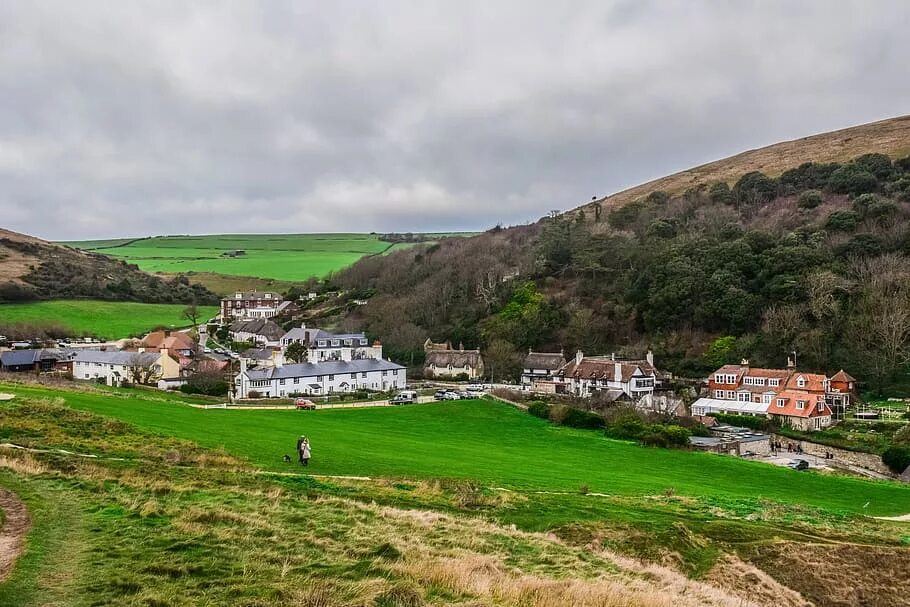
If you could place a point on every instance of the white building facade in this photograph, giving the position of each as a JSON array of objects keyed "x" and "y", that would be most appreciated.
[{"x": 320, "y": 379}]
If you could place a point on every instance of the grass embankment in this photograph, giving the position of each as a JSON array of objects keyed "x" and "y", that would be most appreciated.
[
  {"x": 169, "y": 523},
  {"x": 104, "y": 319},
  {"x": 487, "y": 442}
]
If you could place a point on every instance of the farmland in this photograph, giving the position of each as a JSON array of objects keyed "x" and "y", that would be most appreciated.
[
  {"x": 104, "y": 319},
  {"x": 186, "y": 506},
  {"x": 283, "y": 257}
]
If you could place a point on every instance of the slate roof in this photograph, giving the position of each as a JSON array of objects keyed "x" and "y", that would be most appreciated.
[
  {"x": 116, "y": 357},
  {"x": 248, "y": 295},
  {"x": 312, "y": 337},
  {"x": 545, "y": 360},
  {"x": 334, "y": 367},
  {"x": 258, "y": 326},
  {"x": 15, "y": 358},
  {"x": 257, "y": 354},
  {"x": 605, "y": 368}
]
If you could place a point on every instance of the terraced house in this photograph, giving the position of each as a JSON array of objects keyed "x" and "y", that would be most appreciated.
[
  {"x": 319, "y": 379},
  {"x": 250, "y": 304},
  {"x": 607, "y": 376},
  {"x": 323, "y": 345}
]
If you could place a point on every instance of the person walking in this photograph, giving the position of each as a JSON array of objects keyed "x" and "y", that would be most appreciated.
[
  {"x": 300, "y": 440},
  {"x": 305, "y": 452}
]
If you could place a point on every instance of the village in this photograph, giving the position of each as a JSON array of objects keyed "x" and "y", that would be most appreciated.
[{"x": 244, "y": 356}]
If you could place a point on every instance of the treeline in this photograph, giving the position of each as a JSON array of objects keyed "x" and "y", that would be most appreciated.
[
  {"x": 816, "y": 261},
  {"x": 63, "y": 273}
]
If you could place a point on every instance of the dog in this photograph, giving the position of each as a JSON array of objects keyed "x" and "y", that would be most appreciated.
[{"x": 287, "y": 458}]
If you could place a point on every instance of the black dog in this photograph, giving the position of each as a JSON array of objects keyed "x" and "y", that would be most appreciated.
[{"x": 287, "y": 459}]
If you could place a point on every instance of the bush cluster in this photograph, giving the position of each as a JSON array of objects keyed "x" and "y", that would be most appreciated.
[
  {"x": 624, "y": 424},
  {"x": 897, "y": 458}
]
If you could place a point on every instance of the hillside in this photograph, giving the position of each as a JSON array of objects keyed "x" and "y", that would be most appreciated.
[
  {"x": 890, "y": 137},
  {"x": 726, "y": 263},
  {"x": 31, "y": 268}
]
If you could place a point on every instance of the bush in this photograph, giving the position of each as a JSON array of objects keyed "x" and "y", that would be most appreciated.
[
  {"x": 254, "y": 394},
  {"x": 540, "y": 409},
  {"x": 720, "y": 193},
  {"x": 852, "y": 179},
  {"x": 810, "y": 199},
  {"x": 897, "y": 458},
  {"x": 842, "y": 221},
  {"x": 563, "y": 415},
  {"x": 878, "y": 165},
  {"x": 754, "y": 188},
  {"x": 661, "y": 228},
  {"x": 626, "y": 426}
]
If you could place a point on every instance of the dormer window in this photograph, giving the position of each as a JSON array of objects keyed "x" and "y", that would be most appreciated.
[
  {"x": 781, "y": 402},
  {"x": 268, "y": 296},
  {"x": 821, "y": 406},
  {"x": 800, "y": 382},
  {"x": 773, "y": 383},
  {"x": 800, "y": 404},
  {"x": 363, "y": 342},
  {"x": 336, "y": 342},
  {"x": 322, "y": 343}
]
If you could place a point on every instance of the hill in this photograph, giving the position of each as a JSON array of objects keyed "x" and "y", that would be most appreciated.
[
  {"x": 890, "y": 137},
  {"x": 727, "y": 263},
  {"x": 31, "y": 268}
]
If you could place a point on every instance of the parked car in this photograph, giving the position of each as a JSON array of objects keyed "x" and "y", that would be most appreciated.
[
  {"x": 440, "y": 395},
  {"x": 475, "y": 387},
  {"x": 799, "y": 464},
  {"x": 303, "y": 404},
  {"x": 207, "y": 350},
  {"x": 451, "y": 396},
  {"x": 467, "y": 395},
  {"x": 404, "y": 397}
]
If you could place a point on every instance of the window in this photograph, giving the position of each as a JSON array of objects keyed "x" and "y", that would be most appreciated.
[
  {"x": 766, "y": 399},
  {"x": 773, "y": 382},
  {"x": 731, "y": 395},
  {"x": 363, "y": 342},
  {"x": 353, "y": 376},
  {"x": 800, "y": 382},
  {"x": 363, "y": 375},
  {"x": 281, "y": 381},
  {"x": 719, "y": 378},
  {"x": 800, "y": 404},
  {"x": 744, "y": 397},
  {"x": 318, "y": 378},
  {"x": 384, "y": 373},
  {"x": 821, "y": 406},
  {"x": 395, "y": 372},
  {"x": 296, "y": 380},
  {"x": 781, "y": 402},
  {"x": 331, "y": 378},
  {"x": 718, "y": 394},
  {"x": 754, "y": 381},
  {"x": 336, "y": 342}
]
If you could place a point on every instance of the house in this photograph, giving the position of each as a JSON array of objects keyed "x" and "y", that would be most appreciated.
[
  {"x": 175, "y": 342},
  {"x": 539, "y": 368},
  {"x": 605, "y": 375},
  {"x": 260, "y": 357},
  {"x": 36, "y": 361},
  {"x": 320, "y": 379},
  {"x": 841, "y": 389},
  {"x": 119, "y": 366},
  {"x": 800, "y": 410},
  {"x": 745, "y": 390},
  {"x": 443, "y": 361},
  {"x": 326, "y": 346},
  {"x": 250, "y": 304},
  {"x": 261, "y": 331}
]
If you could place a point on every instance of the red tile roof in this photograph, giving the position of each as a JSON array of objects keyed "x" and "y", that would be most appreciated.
[
  {"x": 814, "y": 382},
  {"x": 842, "y": 376},
  {"x": 790, "y": 409}
]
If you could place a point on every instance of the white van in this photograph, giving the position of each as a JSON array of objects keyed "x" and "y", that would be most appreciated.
[{"x": 404, "y": 397}]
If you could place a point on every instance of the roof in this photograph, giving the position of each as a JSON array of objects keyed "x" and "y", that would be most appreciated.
[
  {"x": 172, "y": 340},
  {"x": 335, "y": 367},
  {"x": 456, "y": 358},
  {"x": 598, "y": 367},
  {"x": 257, "y": 354},
  {"x": 247, "y": 295},
  {"x": 713, "y": 405},
  {"x": 14, "y": 358},
  {"x": 117, "y": 357},
  {"x": 815, "y": 382},
  {"x": 545, "y": 360},
  {"x": 313, "y": 335},
  {"x": 258, "y": 326},
  {"x": 791, "y": 398},
  {"x": 744, "y": 370},
  {"x": 843, "y": 376}
]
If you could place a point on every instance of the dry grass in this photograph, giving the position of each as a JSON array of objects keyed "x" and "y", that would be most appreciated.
[
  {"x": 23, "y": 464},
  {"x": 890, "y": 137}
]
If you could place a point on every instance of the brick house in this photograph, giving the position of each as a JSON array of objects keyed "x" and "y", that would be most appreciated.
[{"x": 250, "y": 304}]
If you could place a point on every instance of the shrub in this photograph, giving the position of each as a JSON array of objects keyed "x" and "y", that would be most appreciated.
[
  {"x": 868, "y": 245},
  {"x": 661, "y": 228},
  {"x": 626, "y": 426},
  {"x": 754, "y": 188},
  {"x": 254, "y": 394},
  {"x": 878, "y": 165},
  {"x": 720, "y": 193},
  {"x": 576, "y": 418},
  {"x": 852, "y": 179},
  {"x": 810, "y": 199},
  {"x": 897, "y": 458},
  {"x": 540, "y": 409},
  {"x": 842, "y": 221}
]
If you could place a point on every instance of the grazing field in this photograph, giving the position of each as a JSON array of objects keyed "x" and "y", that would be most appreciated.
[
  {"x": 284, "y": 257},
  {"x": 491, "y": 443},
  {"x": 104, "y": 319},
  {"x": 451, "y": 514}
]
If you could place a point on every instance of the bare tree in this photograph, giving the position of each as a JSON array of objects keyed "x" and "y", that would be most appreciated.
[
  {"x": 501, "y": 359},
  {"x": 143, "y": 368},
  {"x": 880, "y": 334},
  {"x": 191, "y": 313}
]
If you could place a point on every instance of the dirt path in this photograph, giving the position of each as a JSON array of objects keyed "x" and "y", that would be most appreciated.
[{"x": 12, "y": 535}]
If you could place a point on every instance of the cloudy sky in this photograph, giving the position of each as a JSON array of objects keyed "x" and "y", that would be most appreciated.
[{"x": 136, "y": 118}]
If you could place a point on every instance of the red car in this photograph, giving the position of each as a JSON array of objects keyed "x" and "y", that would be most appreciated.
[{"x": 304, "y": 404}]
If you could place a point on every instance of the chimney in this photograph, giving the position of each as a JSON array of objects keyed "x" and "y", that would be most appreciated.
[
  {"x": 612, "y": 355},
  {"x": 167, "y": 332},
  {"x": 650, "y": 357},
  {"x": 791, "y": 364},
  {"x": 578, "y": 357},
  {"x": 744, "y": 362},
  {"x": 243, "y": 365},
  {"x": 140, "y": 350},
  {"x": 278, "y": 359},
  {"x": 461, "y": 346}
]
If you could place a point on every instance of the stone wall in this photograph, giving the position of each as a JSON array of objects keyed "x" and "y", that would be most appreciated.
[{"x": 868, "y": 461}]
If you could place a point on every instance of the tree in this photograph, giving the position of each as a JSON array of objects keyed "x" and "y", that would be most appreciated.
[
  {"x": 191, "y": 313},
  {"x": 810, "y": 199},
  {"x": 296, "y": 351},
  {"x": 501, "y": 359},
  {"x": 143, "y": 368},
  {"x": 754, "y": 188},
  {"x": 719, "y": 193},
  {"x": 852, "y": 179},
  {"x": 880, "y": 333}
]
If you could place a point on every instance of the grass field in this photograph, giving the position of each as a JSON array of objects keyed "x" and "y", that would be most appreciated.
[
  {"x": 452, "y": 514},
  {"x": 491, "y": 443},
  {"x": 104, "y": 319},
  {"x": 285, "y": 257}
]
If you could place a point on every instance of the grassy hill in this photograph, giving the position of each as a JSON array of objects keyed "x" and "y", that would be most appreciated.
[
  {"x": 31, "y": 268},
  {"x": 890, "y": 137},
  {"x": 468, "y": 503}
]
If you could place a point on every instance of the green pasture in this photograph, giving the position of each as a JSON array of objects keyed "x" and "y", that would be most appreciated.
[
  {"x": 484, "y": 441},
  {"x": 105, "y": 319},
  {"x": 290, "y": 257}
]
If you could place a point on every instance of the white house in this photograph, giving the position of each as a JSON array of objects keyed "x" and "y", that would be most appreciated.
[
  {"x": 444, "y": 361},
  {"x": 119, "y": 366},
  {"x": 320, "y": 379},
  {"x": 540, "y": 367},
  {"x": 588, "y": 375},
  {"x": 325, "y": 346},
  {"x": 261, "y": 331}
]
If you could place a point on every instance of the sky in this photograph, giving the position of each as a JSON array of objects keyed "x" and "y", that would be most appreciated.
[{"x": 140, "y": 118}]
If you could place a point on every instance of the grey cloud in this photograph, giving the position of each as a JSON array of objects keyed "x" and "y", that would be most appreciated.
[{"x": 140, "y": 118}]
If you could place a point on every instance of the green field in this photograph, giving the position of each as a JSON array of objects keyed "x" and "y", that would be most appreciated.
[
  {"x": 104, "y": 319},
  {"x": 491, "y": 443},
  {"x": 287, "y": 257}
]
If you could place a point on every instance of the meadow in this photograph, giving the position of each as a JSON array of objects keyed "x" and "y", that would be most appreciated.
[
  {"x": 283, "y": 257},
  {"x": 104, "y": 319},
  {"x": 185, "y": 507},
  {"x": 487, "y": 442}
]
